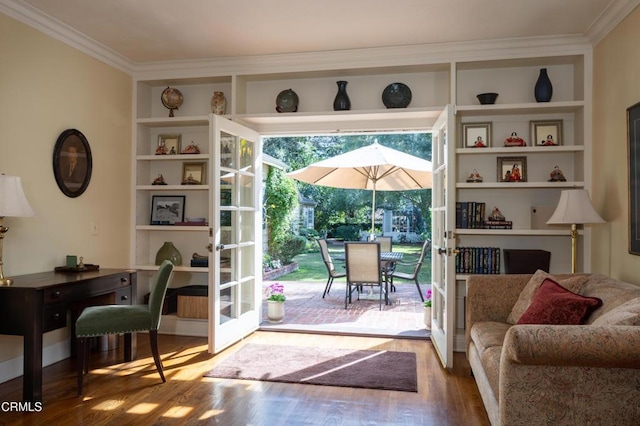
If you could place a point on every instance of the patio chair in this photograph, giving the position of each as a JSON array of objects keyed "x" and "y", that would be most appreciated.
[
  {"x": 124, "y": 319},
  {"x": 386, "y": 243},
  {"x": 411, "y": 276},
  {"x": 331, "y": 270},
  {"x": 363, "y": 269}
]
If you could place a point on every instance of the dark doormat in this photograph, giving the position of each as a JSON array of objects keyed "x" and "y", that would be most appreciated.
[{"x": 371, "y": 369}]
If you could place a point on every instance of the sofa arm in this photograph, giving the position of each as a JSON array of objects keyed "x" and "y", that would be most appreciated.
[
  {"x": 570, "y": 375},
  {"x": 573, "y": 345},
  {"x": 491, "y": 298}
]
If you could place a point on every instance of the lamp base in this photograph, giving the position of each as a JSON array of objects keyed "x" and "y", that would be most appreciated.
[{"x": 6, "y": 282}]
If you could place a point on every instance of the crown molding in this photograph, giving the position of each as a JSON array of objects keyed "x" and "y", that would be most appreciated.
[
  {"x": 609, "y": 19},
  {"x": 64, "y": 33}
]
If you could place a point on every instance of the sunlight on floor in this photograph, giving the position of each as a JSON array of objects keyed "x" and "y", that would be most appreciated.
[
  {"x": 178, "y": 411},
  {"x": 142, "y": 408},
  {"x": 108, "y": 405}
]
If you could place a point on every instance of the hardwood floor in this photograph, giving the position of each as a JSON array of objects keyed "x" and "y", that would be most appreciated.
[{"x": 132, "y": 393}]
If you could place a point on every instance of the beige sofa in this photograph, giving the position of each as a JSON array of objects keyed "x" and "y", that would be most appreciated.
[{"x": 555, "y": 374}]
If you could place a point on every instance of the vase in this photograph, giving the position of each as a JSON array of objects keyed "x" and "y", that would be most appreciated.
[
  {"x": 275, "y": 311},
  {"x": 218, "y": 103},
  {"x": 427, "y": 317},
  {"x": 544, "y": 89},
  {"x": 342, "y": 101},
  {"x": 169, "y": 252}
]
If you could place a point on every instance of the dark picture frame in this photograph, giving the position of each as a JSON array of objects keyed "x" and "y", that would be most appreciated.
[
  {"x": 72, "y": 163},
  {"x": 167, "y": 209},
  {"x": 633, "y": 130},
  {"x": 546, "y": 132},
  {"x": 512, "y": 169},
  {"x": 473, "y": 131}
]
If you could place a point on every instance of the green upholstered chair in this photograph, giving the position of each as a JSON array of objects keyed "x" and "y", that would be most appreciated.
[{"x": 124, "y": 319}]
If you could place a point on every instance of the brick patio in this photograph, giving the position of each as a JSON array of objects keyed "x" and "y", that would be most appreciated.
[{"x": 306, "y": 310}]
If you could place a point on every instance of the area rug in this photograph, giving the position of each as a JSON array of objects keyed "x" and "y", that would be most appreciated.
[{"x": 371, "y": 369}]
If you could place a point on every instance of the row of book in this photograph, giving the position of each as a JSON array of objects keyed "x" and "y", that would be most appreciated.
[
  {"x": 478, "y": 260},
  {"x": 471, "y": 214}
]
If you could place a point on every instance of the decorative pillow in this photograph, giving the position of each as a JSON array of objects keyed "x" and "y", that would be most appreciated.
[
  {"x": 625, "y": 314},
  {"x": 572, "y": 283},
  {"x": 554, "y": 304}
]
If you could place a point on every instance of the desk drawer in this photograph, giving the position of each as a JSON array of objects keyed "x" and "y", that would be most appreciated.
[
  {"x": 87, "y": 289},
  {"x": 54, "y": 317},
  {"x": 123, "y": 296}
]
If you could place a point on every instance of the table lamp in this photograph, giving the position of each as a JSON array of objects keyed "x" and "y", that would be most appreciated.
[
  {"x": 13, "y": 203},
  {"x": 574, "y": 208}
]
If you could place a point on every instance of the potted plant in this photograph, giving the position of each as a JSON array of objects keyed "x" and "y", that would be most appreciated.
[
  {"x": 427, "y": 309},
  {"x": 275, "y": 302}
]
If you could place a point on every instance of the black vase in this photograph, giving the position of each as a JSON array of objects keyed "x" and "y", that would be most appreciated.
[
  {"x": 544, "y": 89},
  {"x": 341, "y": 102}
]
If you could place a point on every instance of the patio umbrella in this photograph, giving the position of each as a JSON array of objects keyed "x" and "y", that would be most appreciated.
[{"x": 374, "y": 167}]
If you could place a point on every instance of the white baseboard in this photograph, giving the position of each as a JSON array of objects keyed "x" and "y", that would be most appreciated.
[
  {"x": 172, "y": 324},
  {"x": 12, "y": 368}
]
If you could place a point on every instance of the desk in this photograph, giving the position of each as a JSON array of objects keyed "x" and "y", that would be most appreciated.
[{"x": 38, "y": 303}]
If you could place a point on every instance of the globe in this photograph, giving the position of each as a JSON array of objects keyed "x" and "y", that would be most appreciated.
[{"x": 171, "y": 99}]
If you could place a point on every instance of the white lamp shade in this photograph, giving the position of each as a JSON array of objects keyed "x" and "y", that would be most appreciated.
[
  {"x": 574, "y": 207},
  {"x": 13, "y": 202}
]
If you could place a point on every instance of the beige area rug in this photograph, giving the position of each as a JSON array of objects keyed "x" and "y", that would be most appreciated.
[{"x": 371, "y": 369}]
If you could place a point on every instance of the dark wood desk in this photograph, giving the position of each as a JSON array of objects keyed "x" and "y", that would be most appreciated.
[{"x": 38, "y": 303}]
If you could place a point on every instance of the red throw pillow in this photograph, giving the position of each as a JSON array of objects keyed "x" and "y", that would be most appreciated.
[{"x": 554, "y": 304}]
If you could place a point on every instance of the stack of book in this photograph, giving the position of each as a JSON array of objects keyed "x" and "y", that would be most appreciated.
[
  {"x": 478, "y": 260},
  {"x": 470, "y": 215},
  {"x": 498, "y": 224}
]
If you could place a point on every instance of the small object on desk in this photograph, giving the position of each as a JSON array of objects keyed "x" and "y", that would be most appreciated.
[
  {"x": 86, "y": 267},
  {"x": 72, "y": 261}
]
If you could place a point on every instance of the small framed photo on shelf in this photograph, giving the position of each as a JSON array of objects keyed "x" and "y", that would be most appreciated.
[
  {"x": 476, "y": 135},
  {"x": 168, "y": 144},
  {"x": 512, "y": 169},
  {"x": 546, "y": 133},
  {"x": 194, "y": 173},
  {"x": 167, "y": 209}
]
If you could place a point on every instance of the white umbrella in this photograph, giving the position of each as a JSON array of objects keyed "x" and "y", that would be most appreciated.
[{"x": 374, "y": 167}]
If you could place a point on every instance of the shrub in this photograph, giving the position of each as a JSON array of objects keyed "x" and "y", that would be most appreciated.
[
  {"x": 348, "y": 232},
  {"x": 290, "y": 247}
]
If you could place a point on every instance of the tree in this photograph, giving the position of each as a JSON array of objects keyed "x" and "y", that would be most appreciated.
[{"x": 281, "y": 198}]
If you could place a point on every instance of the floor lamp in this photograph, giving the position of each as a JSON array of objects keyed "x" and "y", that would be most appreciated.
[
  {"x": 13, "y": 203},
  {"x": 574, "y": 208}
]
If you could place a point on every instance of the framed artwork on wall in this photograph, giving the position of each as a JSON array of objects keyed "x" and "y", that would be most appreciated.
[
  {"x": 72, "y": 163},
  {"x": 167, "y": 209},
  {"x": 512, "y": 169},
  {"x": 633, "y": 130},
  {"x": 546, "y": 133}
]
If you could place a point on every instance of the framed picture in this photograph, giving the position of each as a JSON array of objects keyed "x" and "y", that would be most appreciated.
[
  {"x": 633, "y": 130},
  {"x": 476, "y": 135},
  {"x": 167, "y": 209},
  {"x": 512, "y": 169},
  {"x": 168, "y": 144},
  {"x": 194, "y": 173},
  {"x": 72, "y": 163},
  {"x": 546, "y": 133}
]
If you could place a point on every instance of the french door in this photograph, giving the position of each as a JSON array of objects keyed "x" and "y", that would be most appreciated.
[
  {"x": 443, "y": 239},
  {"x": 235, "y": 239}
]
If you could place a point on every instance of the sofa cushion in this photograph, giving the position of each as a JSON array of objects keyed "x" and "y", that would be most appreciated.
[
  {"x": 625, "y": 314},
  {"x": 491, "y": 364},
  {"x": 488, "y": 334},
  {"x": 612, "y": 292},
  {"x": 572, "y": 283},
  {"x": 555, "y": 305}
]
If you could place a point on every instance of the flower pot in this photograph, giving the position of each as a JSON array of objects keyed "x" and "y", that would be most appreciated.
[
  {"x": 427, "y": 318},
  {"x": 275, "y": 311}
]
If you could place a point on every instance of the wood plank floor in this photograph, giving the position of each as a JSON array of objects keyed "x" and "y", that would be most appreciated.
[{"x": 118, "y": 393}]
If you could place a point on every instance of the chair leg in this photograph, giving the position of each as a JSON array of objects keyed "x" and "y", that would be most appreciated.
[
  {"x": 87, "y": 354},
  {"x": 153, "y": 340},
  {"x": 327, "y": 287},
  {"x": 80, "y": 344},
  {"x": 419, "y": 290}
]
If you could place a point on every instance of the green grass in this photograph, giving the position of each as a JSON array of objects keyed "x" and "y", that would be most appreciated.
[{"x": 311, "y": 267}]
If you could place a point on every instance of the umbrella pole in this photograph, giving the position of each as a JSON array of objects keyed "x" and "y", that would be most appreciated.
[{"x": 373, "y": 213}]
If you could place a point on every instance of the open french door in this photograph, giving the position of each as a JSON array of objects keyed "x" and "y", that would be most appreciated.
[
  {"x": 236, "y": 233},
  {"x": 443, "y": 239}
]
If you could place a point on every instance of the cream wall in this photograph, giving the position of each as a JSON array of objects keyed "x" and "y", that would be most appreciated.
[
  {"x": 48, "y": 87},
  {"x": 616, "y": 87}
]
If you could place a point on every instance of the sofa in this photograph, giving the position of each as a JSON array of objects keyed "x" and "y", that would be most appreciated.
[{"x": 554, "y": 374}]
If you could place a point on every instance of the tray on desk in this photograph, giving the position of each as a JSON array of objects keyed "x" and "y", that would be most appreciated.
[{"x": 87, "y": 267}]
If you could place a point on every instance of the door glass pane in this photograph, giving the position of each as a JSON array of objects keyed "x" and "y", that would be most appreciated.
[
  {"x": 247, "y": 289},
  {"x": 227, "y": 150},
  {"x": 228, "y": 297},
  {"x": 246, "y": 190},
  {"x": 227, "y": 273},
  {"x": 246, "y": 229},
  {"x": 246, "y": 155}
]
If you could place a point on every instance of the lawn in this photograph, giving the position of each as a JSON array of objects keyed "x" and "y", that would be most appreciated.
[{"x": 311, "y": 266}]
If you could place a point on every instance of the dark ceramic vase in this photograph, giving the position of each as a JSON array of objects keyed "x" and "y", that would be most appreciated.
[
  {"x": 342, "y": 101},
  {"x": 169, "y": 252},
  {"x": 544, "y": 89}
]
